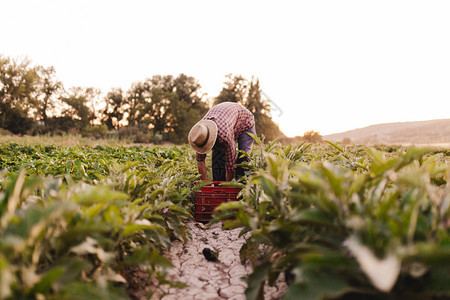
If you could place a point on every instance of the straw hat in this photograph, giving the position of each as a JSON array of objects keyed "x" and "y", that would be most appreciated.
[{"x": 202, "y": 136}]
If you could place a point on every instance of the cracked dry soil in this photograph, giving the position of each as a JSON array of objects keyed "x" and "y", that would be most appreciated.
[{"x": 211, "y": 280}]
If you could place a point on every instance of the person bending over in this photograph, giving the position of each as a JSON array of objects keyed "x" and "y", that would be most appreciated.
[{"x": 218, "y": 130}]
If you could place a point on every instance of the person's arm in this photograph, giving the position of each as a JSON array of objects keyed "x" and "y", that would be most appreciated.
[
  {"x": 202, "y": 170},
  {"x": 201, "y": 165}
]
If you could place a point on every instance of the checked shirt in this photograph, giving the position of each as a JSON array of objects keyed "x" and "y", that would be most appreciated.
[{"x": 232, "y": 120}]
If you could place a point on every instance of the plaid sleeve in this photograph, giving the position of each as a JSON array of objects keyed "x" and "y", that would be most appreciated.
[{"x": 200, "y": 157}]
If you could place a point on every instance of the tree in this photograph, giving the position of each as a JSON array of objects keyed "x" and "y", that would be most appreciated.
[
  {"x": 49, "y": 88},
  {"x": 187, "y": 89},
  {"x": 235, "y": 90},
  {"x": 248, "y": 93},
  {"x": 347, "y": 141},
  {"x": 18, "y": 94},
  {"x": 159, "y": 110},
  {"x": 253, "y": 100},
  {"x": 260, "y": 108},
  {"x": 81, "y": 105},
  {"x": 312, "y": 136},
  {"x": 189, "y": 109},
  {"x": 149, "y": 104},
  {"x": 136, "y": 100},
  {"x": 185, "y": 117},
  {"x": 114, "y": 108},
  {"x": 168, "y": 105}
]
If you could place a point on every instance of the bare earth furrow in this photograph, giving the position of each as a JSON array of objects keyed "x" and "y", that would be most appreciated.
[{"x": 206, "y": 279}]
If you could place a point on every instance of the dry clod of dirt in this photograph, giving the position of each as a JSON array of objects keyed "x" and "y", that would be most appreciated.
[{"x": 211, "y": 279}]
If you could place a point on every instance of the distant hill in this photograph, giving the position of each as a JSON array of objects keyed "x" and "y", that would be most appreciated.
[{"x": 404, "y": 133}]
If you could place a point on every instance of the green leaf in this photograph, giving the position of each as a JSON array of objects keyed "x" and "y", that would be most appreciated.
[
  {"x": 318, "y": 285},
  {"x": 334, "y": 179},
  {"x": 255, "y": 288},
  {"x": 311, "y": 215},
  {"x": 335, "y": 145},
  {"x": 231, "y": 205},
  {"x": 439, "y": 279},
  {"x": 82, "y": 291},
  {"x": 144, "y": 255},
  {"x": 93, "y": 195},
  {"x": 255, "y": 138},
  {"x": 233, "y": 184},
  {"x": 269, "y": 188},
  {"x": 7, "y": 278},
  {"x": 133, "y": 228},
  {"x": 45, "y": 284},
  {"x": 73, "y": 268}
]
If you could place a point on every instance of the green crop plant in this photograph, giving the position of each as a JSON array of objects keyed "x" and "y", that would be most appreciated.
[
  {"x": 75, "y": 220},
  {"x": 346, "y": 223},
  {"x": 333, "y": 221}
]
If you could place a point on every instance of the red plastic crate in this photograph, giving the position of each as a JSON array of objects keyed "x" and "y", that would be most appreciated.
[{"x": 211, "y": 196}]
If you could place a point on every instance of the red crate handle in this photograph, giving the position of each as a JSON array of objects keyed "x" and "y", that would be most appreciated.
[{"x": 212, "y": 183}]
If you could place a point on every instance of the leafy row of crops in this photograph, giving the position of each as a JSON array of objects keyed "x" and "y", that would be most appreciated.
[
  {"x": 336, "y": 222},
  {"x": 76, "y": 221},
  {"x": 353, "y": 223}
]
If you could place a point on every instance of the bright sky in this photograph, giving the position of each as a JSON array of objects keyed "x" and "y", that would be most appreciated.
[{"x": 330, "y": 66}]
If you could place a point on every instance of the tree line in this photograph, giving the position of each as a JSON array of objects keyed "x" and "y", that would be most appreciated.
[{"x": 34, "y": 101}]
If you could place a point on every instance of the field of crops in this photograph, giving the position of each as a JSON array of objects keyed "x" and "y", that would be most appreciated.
[{"x": 335, "y": 222}]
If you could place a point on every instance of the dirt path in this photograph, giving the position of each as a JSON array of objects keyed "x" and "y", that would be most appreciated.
[{"x": 211, "y": 280}]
